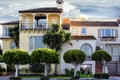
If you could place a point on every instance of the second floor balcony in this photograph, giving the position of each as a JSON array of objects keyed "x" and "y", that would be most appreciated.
[{"x": 35, "y": 26}]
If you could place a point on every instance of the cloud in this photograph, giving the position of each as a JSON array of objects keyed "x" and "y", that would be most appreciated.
[{"x": 102, "y": 8}]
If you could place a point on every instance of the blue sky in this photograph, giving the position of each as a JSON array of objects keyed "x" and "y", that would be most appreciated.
[{"x": 90, "y": 8}]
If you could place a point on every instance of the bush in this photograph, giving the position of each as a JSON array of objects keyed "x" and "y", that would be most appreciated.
[
  {"x": 101, "y": 76},
  {"x": 67, "y": 71},
  {"x": 2, "y": 69},
  {"x": 15, "y": 78},
  {"x": 24, "y": 70},
  {"x": 37, "y": 68},
  {"x": 45, "y": 78}
]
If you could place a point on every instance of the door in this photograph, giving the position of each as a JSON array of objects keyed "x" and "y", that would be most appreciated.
[{"x": 112, "y": 68}]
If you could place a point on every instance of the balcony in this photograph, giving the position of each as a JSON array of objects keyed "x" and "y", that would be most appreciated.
[
  {"x": 108, "y": 38},
  {"x": 35, "y": 26}
]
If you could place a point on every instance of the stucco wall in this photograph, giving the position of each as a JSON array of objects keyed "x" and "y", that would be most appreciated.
[
  {"x": 76, "y": 45},
  {"x": 6, "y": 44},
  {"x": 24, "y": 38}
]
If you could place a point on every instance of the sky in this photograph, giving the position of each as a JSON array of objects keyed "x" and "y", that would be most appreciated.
[{"x": 88, "y": 8}]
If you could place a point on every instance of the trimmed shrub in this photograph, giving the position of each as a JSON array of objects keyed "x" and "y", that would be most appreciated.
[
  {"x": 37, "y": 68},
  {"x": 2, "y": 69},
  {"x": 101, "y": 76},
  {"x": 45, "y": 78},
  {"x": 15, "y": 78}
]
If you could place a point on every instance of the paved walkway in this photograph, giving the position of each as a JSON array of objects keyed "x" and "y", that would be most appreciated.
[{"x": 7, "y": 78}]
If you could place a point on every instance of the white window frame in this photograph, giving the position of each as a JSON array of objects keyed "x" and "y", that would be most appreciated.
[
  {"x": 6, "y": 32},
  {"x": 73, "y": 30},
  {"x": 33, "y": 43},
  {"x": 83, "y": 31},
  {"x": 104, "y": 33}
]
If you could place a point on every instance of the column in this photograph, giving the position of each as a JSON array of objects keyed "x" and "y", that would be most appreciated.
[
  {"x": 20, "y": 21},
  {"x": 60, "y": 20},
  {"x": 47, "y": 22},
  {"x": 33, "y": 21}
]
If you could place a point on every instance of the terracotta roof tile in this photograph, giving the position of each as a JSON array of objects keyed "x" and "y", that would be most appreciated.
[
  {"x": 83, "y": 37},
  {"x": 42, "y": 10},
  {"x": 118, "y": 21},
  {"x": 11, "y": 23},
  {"x": 93, "y": 23}
]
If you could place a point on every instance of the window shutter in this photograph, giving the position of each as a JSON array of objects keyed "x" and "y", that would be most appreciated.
[{"x": 99, "y": 33}]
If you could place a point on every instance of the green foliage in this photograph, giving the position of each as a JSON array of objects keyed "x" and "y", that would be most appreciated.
[
  {"x": 15, "y": 78},
  {"x": 45, "y": 78},
  {"x": 44, "y": 55},
  {"x": 14, "y": 34},
  {"x": 101, "y": 76},
  {"x": 74, "y": 56},
  {"x": 2, "y": 69},
  {"x": 16, "y": 56},
  {"x": 1, "y": 59},
  {"x": 37, "y": 68},
  {"x": 56, "y": 35},
  {"x": 101, "y": 55},
  {"x": 24, "y": 70}
]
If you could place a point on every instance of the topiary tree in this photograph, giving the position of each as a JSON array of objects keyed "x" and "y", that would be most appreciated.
[
  {"x": 74, "y": 57},
  {"x": 55, "y": 38},
  {"x": 102, "y": 56},
  {"x": 44, "y": 56},
  {"x": 16, "y": 57}
]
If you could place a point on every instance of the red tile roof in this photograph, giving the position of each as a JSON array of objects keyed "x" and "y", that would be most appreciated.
[
  {"x": 83, "y": 37},
  {"x": 42, "y": 10},
  {"x": 118, "y": 21},
  {"x": 11, "y": 23},
  {"x": 93, "y": 23}
]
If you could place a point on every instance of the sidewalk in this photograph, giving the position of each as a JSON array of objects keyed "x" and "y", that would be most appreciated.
[{"x": 7, "y": 78}]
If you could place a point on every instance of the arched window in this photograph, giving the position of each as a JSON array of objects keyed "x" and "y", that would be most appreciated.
[
  {"x": 12, "y": 45},
  {"x": 86, "y": 48}
]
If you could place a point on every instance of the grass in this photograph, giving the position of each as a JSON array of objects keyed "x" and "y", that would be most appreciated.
[{"x": 49, "y": 76}]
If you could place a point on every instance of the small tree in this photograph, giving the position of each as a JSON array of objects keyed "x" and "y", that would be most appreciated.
[
  {"x": 55, "y": 38},
  {"x": 45, "y": 56},
  {"x": 74, "y": 57},
  {"x": 16, "y": 57},
  {"x": 14, "y": 34},
  {"x": 102, "y": 56}
]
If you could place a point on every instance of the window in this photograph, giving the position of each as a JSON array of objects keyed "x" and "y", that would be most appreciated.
[
  {"x": 86, "y": 48},
  {"x": 73, "y": 30},
  {"x": 107, "y": 32},
  {"x": 6, "y": 32},
  {"x": 36, "y": 42},
  {"x": 12, "y": 45},
  {"x": 113, "y": 50},
  {"x": 83, "y": 31}
]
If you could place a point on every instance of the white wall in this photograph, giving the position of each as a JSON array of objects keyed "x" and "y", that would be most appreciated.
[{"x": 76, "y": 45}]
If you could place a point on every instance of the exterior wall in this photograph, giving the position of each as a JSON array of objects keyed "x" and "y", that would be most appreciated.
[
  {"x": 6, "y": 44},
  {"x": 24, "y": 38},
  {"x": 76, "y": 45},
  {"x": 53, "y": 19},
  {"x": 30, "y": 19}
]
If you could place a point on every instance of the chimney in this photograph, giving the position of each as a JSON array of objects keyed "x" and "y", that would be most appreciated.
[{"x": 59, "y": 4}]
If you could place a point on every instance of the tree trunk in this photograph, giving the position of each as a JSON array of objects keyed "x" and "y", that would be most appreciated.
[
  {"x": 56, "y": 69},
  {"x": 16, "y": 72},
  {"x": 75, "y": 69},
  {"x": 105, "y": 69},
  {"x": 46, "y": 70}
]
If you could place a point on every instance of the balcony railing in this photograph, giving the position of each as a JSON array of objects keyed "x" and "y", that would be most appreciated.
[{"x": 35, "y": 26}]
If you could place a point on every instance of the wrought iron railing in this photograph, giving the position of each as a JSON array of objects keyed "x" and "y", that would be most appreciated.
[{"x": 39, "y": 26}]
